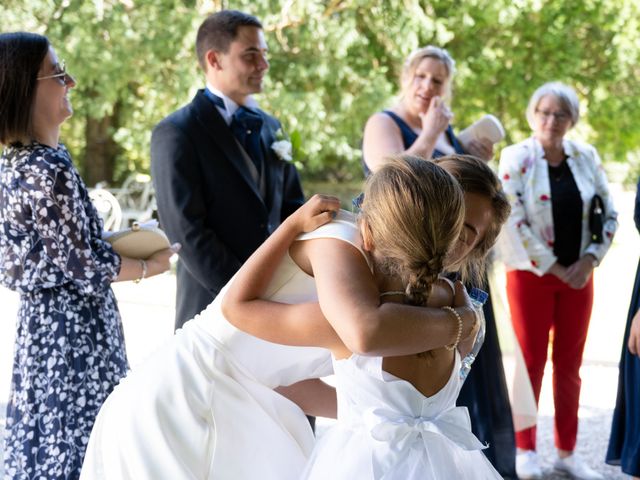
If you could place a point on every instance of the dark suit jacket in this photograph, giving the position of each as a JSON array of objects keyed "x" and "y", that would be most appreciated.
[
  {"x": 636, "y": 211},
  {"x": 208, "y": 201}
]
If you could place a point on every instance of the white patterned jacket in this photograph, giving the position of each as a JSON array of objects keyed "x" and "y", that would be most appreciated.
[{"x": 526, "y": 242}]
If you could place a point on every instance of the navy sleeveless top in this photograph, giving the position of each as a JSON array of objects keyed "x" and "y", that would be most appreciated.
[{"x": 409, "y": 136}]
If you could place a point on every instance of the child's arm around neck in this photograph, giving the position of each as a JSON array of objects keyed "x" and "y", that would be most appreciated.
[
  {"x": 348, "y": 295},
  {"x": 287, "y": 324}
]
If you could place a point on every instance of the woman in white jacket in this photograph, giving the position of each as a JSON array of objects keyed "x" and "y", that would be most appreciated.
[{"x": 551, "y": 182}]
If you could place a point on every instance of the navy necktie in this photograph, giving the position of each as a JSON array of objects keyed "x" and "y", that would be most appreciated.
[{"x": 246, "y": 126}]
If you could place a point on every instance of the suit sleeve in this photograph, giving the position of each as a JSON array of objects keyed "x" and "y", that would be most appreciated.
[
  {"x": 292, "y": 197},
  {"x": 179, "y": 192}
]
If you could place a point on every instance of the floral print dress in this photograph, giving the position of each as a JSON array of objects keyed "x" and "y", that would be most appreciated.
[{"x": 69, "y": 350}]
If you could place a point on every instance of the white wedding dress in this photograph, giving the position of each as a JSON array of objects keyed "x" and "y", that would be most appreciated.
[
  {"x": 203, "y": 405},
  {"x": 388, "y": 430}
]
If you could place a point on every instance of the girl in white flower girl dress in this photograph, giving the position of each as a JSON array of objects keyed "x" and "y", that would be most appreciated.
[{"x": 397, "y": 417}]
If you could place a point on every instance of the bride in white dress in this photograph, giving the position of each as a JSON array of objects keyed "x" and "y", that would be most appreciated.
[
  {"x": 205, "y": 405},
  {"x": 397, "y": 417}
]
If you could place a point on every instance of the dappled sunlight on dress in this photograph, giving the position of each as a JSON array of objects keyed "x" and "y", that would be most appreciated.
[{"x": 69, "y": 344}]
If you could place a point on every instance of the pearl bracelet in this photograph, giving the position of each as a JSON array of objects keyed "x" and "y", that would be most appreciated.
[{"x": 454, "y": 345}]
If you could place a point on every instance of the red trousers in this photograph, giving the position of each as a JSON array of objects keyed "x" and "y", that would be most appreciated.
[{"x": 540, "y": 305}]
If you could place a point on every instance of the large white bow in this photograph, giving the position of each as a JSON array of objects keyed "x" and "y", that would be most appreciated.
[{"x": 395, "y": 435}]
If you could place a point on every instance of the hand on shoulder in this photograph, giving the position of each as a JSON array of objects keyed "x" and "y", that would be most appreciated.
[
  {"x": 317, "y": 211},
  {"x": 441, "y": 294}
]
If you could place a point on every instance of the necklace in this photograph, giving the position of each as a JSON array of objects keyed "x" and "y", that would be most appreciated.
[
  {"x": 557, "y": 172},
  {"x": 392, "y": 292}
]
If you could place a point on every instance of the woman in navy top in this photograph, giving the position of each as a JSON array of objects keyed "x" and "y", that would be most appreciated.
[{"x": 418, "y": 123}]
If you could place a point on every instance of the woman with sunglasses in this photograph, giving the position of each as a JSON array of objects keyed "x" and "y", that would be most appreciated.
[{"x": 69, "y": 351}]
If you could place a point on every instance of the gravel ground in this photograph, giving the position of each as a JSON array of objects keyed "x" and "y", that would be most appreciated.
[{"x": 595, "y": 425}]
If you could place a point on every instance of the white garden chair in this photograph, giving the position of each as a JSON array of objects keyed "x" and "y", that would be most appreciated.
[
  {"x": 136, "y": 198},
  {"x": 108, "y": 208}
]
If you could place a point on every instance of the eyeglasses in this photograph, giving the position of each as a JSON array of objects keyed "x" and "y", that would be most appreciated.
[
  {"x": 61, "y": 75},
  {"x": 558, "y": 116}
]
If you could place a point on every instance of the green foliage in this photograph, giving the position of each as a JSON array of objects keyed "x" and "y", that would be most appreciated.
[{"x": 335, "y": 62}]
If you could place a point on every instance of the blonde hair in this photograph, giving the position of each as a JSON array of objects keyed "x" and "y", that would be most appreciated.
[
  {"x": 414, "y": 212},
  {"x": 475, "y": 176},
  {"x": 414, "y": 59}
]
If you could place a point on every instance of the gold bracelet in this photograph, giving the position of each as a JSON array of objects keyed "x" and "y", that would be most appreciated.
[
  {"x": 143, "y": 264},
  {"x": 454, "y": 345}
]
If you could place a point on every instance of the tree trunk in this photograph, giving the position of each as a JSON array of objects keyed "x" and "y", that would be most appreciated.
[{"x": 101, "y": 149}]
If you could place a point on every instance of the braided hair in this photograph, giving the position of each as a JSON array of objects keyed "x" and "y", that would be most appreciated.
[{"x": 414, "y": 211}]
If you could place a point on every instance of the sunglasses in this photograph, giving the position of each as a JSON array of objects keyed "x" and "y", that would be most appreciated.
[{"x": 61, "y": 74}]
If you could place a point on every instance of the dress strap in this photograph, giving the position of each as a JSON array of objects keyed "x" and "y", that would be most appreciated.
[
  {"x": 343, "y": 227},
  {"x": 453, "y": 140},
  {"x": 455, "y": 143},
  {"x": 448, "y": 282},
  {"x": 408, "y": 135}
]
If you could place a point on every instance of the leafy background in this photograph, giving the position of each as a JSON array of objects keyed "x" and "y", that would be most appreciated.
[{"x": 334, "y": 63}]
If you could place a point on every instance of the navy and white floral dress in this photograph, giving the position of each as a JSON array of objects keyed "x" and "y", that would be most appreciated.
[{"x": 69, "y": 351}]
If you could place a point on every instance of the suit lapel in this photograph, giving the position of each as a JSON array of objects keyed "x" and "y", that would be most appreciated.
[{"x": 219, "y": 132}]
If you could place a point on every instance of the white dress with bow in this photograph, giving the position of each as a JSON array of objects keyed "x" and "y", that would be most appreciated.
[{"x": 388, "y": 430}]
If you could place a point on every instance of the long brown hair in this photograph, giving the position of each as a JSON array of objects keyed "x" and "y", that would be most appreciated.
[
  {"x": 21, "y": 55},
  {"x": 414, "y": 212},
  {"x": 475, "y": 176}
]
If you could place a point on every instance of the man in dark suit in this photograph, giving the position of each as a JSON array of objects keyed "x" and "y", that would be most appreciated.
[{"x": 221, "y": 188}]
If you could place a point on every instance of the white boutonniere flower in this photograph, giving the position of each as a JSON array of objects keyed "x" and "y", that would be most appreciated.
[{"x": 282, "y": 147}]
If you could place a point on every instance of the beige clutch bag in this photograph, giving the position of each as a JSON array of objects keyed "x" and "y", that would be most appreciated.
[{"x": 139, "y": 241}]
